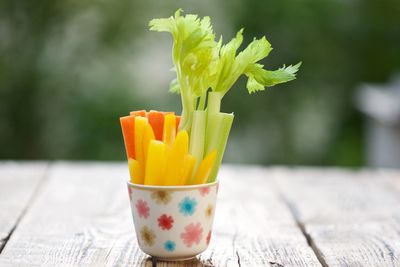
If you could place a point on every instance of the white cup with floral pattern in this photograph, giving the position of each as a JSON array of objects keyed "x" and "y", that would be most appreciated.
[{"x": 173, "y": 222}]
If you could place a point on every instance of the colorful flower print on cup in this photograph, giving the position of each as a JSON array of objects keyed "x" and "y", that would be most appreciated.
[
  {"x": 161, "y": 197},
  {"x": 142, "y": 208},
  {"x": 173, "y": 222},
  {"x": 204, "y": 191},
  {"x": 169, "y": 245},
  {"x": 187, "y": 206},
  {"x": 208, "y": 238},
  {"x": 209, "y": 211},
  {"x": 193, "y": 233},
  {"x": 130, "y": 192},
  {"x": 165, "y": 222},
  {"x": 147, "y": 235}
]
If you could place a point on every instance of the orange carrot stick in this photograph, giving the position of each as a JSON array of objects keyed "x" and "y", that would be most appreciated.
[
  {"x": 128, "y": 132},
  {"x": 141, "y": 113},
  {"x": 178, "y": 120},
  {"x": 156, "y": 120}
]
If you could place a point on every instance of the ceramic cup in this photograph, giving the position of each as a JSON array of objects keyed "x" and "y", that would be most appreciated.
[{"x": 173, "y": 222}]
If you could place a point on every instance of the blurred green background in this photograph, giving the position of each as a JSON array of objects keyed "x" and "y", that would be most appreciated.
[{"x": 70, "y": 69}]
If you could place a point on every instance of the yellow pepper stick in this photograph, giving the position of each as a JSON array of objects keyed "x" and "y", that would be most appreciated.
[
  {"x": 176, "y": 158},
  {"x": 134, "y": 170},
  {"x": 204, "y": 169},
  {"x": 155, "y": 163},
  {"x": 147, "y": 137},
  {"x": 169, "y": 130},
  {"x": 188, "y": 166},
  {"x": 168, "y": 151},
  {"x": 140, "y": 125}
]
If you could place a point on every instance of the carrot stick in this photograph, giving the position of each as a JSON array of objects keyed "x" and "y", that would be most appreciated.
[
  {"x": 128, "y": 132},
  {"x": 156, "y": 120},
  {"x": 141, "y": 113},
  {"x": 178, "y": 120}
]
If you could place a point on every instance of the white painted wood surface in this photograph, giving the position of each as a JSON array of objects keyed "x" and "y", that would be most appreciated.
[
  {"x": 253, "y": 225},
  {"x": 18, "y": 182},
  {"x": 77, "y": 214},
  {"x": 351, "y": 218},
  {"x": 81, "y": 217}
]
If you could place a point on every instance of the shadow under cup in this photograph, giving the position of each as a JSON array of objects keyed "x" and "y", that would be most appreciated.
[{"x": 173, "y": 222}]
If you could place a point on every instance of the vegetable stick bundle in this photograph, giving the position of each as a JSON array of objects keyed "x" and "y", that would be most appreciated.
[
  {"x": 164, "y": 149},
  {"x": 158, "y": 154}
]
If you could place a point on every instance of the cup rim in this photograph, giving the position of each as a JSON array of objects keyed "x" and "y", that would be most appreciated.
[{"x": 171, "y": 187}]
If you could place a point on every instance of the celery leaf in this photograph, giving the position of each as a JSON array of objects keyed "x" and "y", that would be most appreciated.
[{"x": 258, "y": 78}]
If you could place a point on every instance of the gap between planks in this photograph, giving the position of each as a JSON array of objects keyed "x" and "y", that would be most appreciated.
[
  {"x": 351, "y": 217},
  {"x": 19, "y": 171},
  {"x": 301, "y": 225}
]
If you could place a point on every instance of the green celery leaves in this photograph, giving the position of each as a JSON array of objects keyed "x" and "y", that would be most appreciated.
[
  {"x": 259, "y": 78},
  {"x": 205, "y": 71},
  {"x": 194, "y": 50},
  {"x": 201, "y": 63}
]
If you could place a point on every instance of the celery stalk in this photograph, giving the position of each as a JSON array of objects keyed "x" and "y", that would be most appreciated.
[
  {"x": 219, "y": 140},
  {"x": 202, "y": 64},
  {"x": 214, "y": 103},
  {"x": 213, "y": 108},
  {"x": 197, "y": 135}
]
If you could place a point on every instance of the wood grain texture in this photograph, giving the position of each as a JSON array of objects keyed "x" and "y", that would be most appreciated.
[
  {"x": 18, "y": 184},
  {"x": 253, "y": 226},
  {"x": 351, "y": 218},
  {"x": 82, "y": 218}
]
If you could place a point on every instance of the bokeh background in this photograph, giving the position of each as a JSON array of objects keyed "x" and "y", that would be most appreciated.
[{"x": 70, "y": 69}]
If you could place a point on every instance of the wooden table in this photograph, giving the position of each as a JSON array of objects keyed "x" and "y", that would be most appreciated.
[{"x": 77, "y": 214}]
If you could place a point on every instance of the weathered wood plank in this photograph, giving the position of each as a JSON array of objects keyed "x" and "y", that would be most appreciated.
[
  {"x": 18, "y": 183},
  {"x": 352, "y": 218},
  {"x": 82, "y": 217},
  {"x": 253, "y": 225}
]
